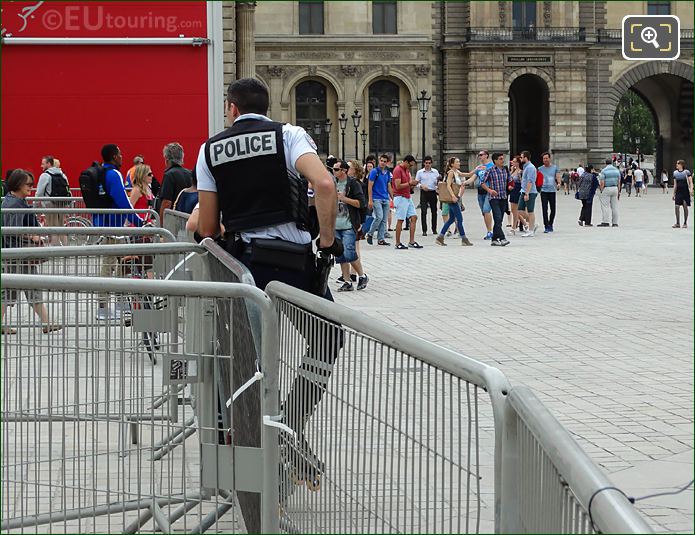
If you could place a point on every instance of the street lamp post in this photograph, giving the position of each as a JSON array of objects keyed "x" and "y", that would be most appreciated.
[
  {"x": 342, "y": 120},
  {"x": 356, "y": 118},
  {"x": 376, "y": 119},
  {"x": 423, "y": 102},
  {"x": 637, "y": 142},
  {"x": 317, "y": 133},
  {"x": 625, "y": 138},
  {"x": 327, "y": 128},
  {"x": 363, "y": 135}
]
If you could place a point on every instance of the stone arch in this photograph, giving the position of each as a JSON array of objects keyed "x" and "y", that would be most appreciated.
[
  {"x": 320, "y": 75},
  {"x": 640, "y": 72},
  {"x": 397, "y": 75},
  {"x": 512, "y": 75}
]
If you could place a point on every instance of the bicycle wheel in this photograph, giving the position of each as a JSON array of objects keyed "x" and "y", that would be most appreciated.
[{"x": 78, "y": 222}]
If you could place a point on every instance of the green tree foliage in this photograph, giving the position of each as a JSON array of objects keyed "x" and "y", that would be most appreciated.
[{"x": 634, "y": 118}]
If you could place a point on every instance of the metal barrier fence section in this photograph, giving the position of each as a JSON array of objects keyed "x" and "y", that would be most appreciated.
[
  {"x": 175, "y": 222},
  {"x": 95, "y": 432},
  {"x": 393, "y": 434},
  {"x": 15, "y": 237},
  {"x": 56, "y": 202},
  {"x": 550, "y": 485},
  {"x": 84, "y": 217}
]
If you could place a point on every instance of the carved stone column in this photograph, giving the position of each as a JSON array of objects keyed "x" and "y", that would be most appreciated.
[{"x": 245, "y": 40}]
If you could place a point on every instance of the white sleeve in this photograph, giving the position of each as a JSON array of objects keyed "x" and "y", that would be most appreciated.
[
  {"x": 418, "y": 176},
  {"x": 42, "y": 186},
  {"x": 297, "y": 142},
  {"x": 202, "y": 171}
]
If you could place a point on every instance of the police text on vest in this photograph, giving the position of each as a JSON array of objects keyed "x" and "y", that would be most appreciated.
[{"x": 242, "y": 146}]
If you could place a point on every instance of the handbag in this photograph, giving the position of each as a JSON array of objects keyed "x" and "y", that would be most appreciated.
[{"x": 443, "y": 192}]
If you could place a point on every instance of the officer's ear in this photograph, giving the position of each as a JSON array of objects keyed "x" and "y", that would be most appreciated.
[{"x": 232, "y": 112}]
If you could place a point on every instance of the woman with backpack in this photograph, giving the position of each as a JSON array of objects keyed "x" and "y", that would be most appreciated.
[{"x": 450, "y": 192}]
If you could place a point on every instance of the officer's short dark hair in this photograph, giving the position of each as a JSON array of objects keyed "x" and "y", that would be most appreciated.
[
  {"x": 409, "y": 158},
  {"x": 249, "y": 95},
  {"x": 109, "y": 152}
]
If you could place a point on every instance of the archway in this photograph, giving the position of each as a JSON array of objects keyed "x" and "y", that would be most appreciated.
[
  {"x": 667, "y": 88},
  {"x": 310, "y": 105},
  {"x": 529, "y": 116},
  {"x": 384, "y": 134}
]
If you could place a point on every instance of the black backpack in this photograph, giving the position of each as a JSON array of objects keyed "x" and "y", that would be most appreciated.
[
  {"x": 93, "y": 187},
  {"x": 59, "y": 185}
]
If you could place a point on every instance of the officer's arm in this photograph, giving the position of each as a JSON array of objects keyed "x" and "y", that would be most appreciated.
[
  {"x": 325, "y": 195},
  {"x": 208, "y": 214}
]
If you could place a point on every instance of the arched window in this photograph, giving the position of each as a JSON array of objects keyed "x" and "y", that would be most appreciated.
[
  {"x": 310, "y": 100},
  {"x": 384, "y": 134}
]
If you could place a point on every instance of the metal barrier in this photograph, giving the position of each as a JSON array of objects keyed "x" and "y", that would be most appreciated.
[
  {"x": 84, "y": 235},
  {"x": 550, "y": 485},
  {"x": 402, "y": 437},
  {"x": 84, "y": 214},
  {"x": 57, "y": 202},
  {"x": 175, "y": 222},
  {"x": 90, "y": 443}
]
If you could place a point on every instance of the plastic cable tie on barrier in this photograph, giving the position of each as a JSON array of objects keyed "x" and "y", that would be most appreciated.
[
  {"x": 275, "y": 421},
  {"x": 256, "y": 377}
]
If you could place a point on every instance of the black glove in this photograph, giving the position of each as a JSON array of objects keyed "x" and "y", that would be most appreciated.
[{"x": 335, "y": 249}]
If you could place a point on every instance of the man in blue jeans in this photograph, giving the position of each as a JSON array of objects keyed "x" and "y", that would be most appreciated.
[
  {"x": 379, "y": 200},
  {"x": 483, "y": 198}
]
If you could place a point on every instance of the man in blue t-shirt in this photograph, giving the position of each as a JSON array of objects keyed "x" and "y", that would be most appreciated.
[
  {"x": 483, "y": 197},
  {"x": 379, "y": 200},
  {"x": 551, "y": 181}
]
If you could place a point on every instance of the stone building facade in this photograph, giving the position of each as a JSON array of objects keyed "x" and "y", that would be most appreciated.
[{"x": 503, "y": 76}]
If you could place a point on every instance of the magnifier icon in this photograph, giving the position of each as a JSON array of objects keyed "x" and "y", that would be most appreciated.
[{"x": 648, "y": 35}]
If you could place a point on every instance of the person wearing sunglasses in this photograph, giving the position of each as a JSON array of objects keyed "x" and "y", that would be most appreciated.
[{"x": 141, "y": 195}]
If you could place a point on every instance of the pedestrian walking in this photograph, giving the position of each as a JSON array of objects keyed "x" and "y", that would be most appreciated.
[
  {"x": 427, "y": 179},
  {"x": 19, "y": 185},
  {"x": 551, "y": 183},
  {"x": 515, "y": 191},
  {"x": 682, "y": 192},
  {"x": 351, "y": 203},
  {"x": 529, "y": 192},
  {"x": 638, "y": 181},
  {"x": 664, "y": 181},
  {"x": 566, "y": 181},
  {"x": 379, "y": 200},
  {"x": 495, "y": 184},
  {"x": 609, "y": 187},
  {"x": 405, "y": 209},
  {"x": 588, "y": 184},
  {"x": 176, "y": 178},
  {"x": 451, "y": 193},
  {"x": 484, "y": 164}
]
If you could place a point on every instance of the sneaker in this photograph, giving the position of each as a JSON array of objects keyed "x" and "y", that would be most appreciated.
[
  {"x": 353, "y": 278},
  {"x": 588, "y": 225},
  {"x": 369, "y": 239},
  {"x": 362, "y": 284},
  {"x": 448, "y": 233},
  {"x": 440, "y": 240},
  {"x": 504, "y": 242},
  {"x": 616, "y": 224},
  {"x": 383, "y": 242},
  {"x": 400, "y": 246},
  {"x": 496, "y": 243},
  {"x": 488, "y": 236},
  {"x": 415, "y": 245},
  {"x": 340, "y": 280},
  {"x": 551, "y": 229},
  {"x": 528, "y": 234},
  {"x": 465, "y": 241},
  {"x": 387, "y": 235},
  {"x": 580, "y": 223},
  {"x": 347, "y": 287},
  {"x": 603, "y": 225},
  {"x": 106, "y": 314},
  {"x": 546, "y": 230},
  {"x": 51, "y": 328},
  {"x": 424, "y": 233}
]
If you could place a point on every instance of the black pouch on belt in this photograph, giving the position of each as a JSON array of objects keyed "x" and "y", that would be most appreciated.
[{"x": 280, "y": 254}]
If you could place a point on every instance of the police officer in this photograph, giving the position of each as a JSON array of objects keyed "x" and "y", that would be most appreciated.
[{"x": 252, "y": 173}]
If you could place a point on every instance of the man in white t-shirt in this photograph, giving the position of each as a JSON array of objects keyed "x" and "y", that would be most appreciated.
[
  {"x": 427, "y": 179},
  {"x": 638, "y": 180}
]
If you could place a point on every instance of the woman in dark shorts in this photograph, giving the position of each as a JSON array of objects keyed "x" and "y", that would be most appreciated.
[
  {"x": 682, "y": 191},
  {"x": 515, "y": 171}
]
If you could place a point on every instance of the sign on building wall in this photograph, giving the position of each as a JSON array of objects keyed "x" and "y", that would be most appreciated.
[{"x": 517, "y": 60}]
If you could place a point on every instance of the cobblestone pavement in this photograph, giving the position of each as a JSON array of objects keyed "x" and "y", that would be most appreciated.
[{"x": 597, "y": 321}]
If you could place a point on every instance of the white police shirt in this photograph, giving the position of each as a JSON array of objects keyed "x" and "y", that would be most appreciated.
[{"x": 296, "y": 142}]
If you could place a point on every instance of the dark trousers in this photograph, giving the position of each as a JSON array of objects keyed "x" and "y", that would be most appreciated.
[
  {"x": 498, "y": 208},
  {"x": 548, "y": 199},
  {"x": 585, "y": 214},
  {"x": 428, "y": 199}
]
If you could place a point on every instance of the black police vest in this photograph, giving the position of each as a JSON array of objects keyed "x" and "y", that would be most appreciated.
[{"x": 254, "y": 187}]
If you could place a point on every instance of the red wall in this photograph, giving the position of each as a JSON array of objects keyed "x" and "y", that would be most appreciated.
[{"x": 69, "y": 100}]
